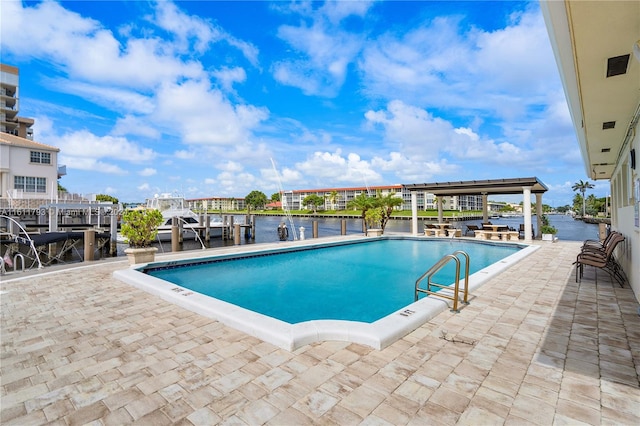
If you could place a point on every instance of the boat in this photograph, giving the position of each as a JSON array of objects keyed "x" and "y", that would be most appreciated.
[{"x": 173, "y": 205}]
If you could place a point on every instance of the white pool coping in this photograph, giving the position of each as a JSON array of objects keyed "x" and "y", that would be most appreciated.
[{"x": 377, "y": 335}]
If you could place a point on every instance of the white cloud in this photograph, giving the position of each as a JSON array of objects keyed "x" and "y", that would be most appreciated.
[
  {"x": 336, "y": 11},
  {"x": 203, "y": 32},
  {"x": 228, "y": 76},
  {"x": 84, "y": 144},
  {"x": 327, "y": 49},
  {"x": 441, "y": 64},
  {"x": 149, "y": 171},
  {"x": 425, "y": 139},
  {"x": 144, "y": 187},
  {"x": 236, "y": 183},
  {"x": 91, "y": 164},
  {"x": 231, "y": 167},
  {"x": 410, "y": 170},
  {"x": 135, "y": 125},
  {"x": 334, "y": 167},
  {"x": 109, "y": 97},
  {"x": 415, "y": 131},
  {"x": 206, "y": 117},
  {"x": 184, "y": 155},
  {"x": 85, "y": 50}
]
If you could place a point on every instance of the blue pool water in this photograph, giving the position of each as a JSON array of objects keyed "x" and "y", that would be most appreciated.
[{"x": 358, "y": 281}]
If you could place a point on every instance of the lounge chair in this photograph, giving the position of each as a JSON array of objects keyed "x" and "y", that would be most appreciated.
[
  {"x": 521, "y": 231},
  {"x": 599, "y": 244},
  {"x": 601, "y": 258},
  {"x": 472, "y": 229},
  {"x": 430, "y": 229}
]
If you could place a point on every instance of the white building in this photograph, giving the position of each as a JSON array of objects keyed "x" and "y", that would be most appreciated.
[
  {"x": 597, "y": 48},
  {"x": 29, "y": 171},
  {"x": 339, "y": 198}
]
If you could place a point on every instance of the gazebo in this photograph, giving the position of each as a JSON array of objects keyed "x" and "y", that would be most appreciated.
[{"x": 524, "y": 186}]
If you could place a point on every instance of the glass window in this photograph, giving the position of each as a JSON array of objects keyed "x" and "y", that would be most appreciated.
[
  {"x": 41, "y": 185},
  {"x": 40, "y": 157},
  {"x": 30, "y": 184}
]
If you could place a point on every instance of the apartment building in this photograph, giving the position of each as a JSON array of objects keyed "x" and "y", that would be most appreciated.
[
  {"x": 339, "y": 198},
  {"x": 216, "y": 203},
  {"x": 10, "y": 122}
]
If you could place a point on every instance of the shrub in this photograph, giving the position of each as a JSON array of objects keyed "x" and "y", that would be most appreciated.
[
  {"x": 140, "y": 227},
  {"x": 548, "y": 229}
]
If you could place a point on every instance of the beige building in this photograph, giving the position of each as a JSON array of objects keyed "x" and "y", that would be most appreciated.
[
  {"x": 28, "y": 171},
  {"x": 597, "y": 49},
  {"x": 10, "y": 122},
  {"x": 215, "y": 204}
]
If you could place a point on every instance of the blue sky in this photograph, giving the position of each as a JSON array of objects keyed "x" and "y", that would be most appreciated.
[{"x": 198, "y": 97}]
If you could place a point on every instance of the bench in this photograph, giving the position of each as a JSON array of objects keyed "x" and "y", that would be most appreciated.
[
  {"x": 497, "y": 235},
  {"x": 454, "y": 232}
]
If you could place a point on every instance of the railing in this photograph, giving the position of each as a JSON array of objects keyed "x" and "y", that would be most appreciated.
[{"x": 456, "y": 288}]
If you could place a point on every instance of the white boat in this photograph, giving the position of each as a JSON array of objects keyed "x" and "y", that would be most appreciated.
[{"x": 171, "y": 206}]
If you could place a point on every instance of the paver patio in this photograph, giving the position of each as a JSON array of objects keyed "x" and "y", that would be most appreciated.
[{"x": 533, "y": 347}]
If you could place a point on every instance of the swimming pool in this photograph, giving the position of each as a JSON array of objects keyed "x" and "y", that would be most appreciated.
[{"x": 364, "y": 287}]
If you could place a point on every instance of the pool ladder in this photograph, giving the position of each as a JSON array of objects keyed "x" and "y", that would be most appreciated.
[{"x": 456, "y": 288}]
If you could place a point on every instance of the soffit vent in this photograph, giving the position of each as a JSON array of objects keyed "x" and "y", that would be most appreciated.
[
  {"x": 617, "y": 65},
  {"x": 608, "y": 125},
  {"x": 605, "y": 150}
]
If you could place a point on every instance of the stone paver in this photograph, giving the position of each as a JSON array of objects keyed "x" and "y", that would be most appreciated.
[{"x": 533, "y": 347}]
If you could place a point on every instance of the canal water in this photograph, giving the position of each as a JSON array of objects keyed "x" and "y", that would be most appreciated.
[{"x": 569, "y": 229}]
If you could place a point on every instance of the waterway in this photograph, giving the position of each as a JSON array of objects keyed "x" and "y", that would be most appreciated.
[{"x": 569, "y": 229}]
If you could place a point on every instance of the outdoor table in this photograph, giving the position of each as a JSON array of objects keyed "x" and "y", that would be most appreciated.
[
  {"x": 495, "y": 229},
  {"x": 442, "y": 232}
]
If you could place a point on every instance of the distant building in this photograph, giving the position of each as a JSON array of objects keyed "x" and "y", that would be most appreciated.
[
  {"x": 28, "y": 171},
  {"x": 10, "y": 122},
  {"x": 276, "y": 205},
  {"x": 216, "y": 203},
  {"x": 339, "y": 198}
]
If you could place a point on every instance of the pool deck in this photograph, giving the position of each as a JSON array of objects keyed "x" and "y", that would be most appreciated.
[{"x": 533, "y": 347}]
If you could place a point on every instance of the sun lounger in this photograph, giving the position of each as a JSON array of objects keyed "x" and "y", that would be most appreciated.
[{"x": 472, "y": 229}]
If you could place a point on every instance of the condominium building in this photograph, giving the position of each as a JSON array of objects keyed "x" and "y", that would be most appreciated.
[
  {"x": 10, "y": 122},
  {"x": 334, "y": 198},
  {"x": 339, "y": 198},
  {"x": 216, "y": 203}
]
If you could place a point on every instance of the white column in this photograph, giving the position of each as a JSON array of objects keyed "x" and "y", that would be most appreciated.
[
  {"x": 4, "y": 183},
  {"x": 526, "y": 210},
  {"x": 440, "y": 214},
  {"x": 53, "y": 219},
  {"x": 539, "y": 215},
  {"x": 414, "y": 212}
]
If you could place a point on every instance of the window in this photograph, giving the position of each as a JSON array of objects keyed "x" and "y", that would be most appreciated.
[
  {"x": 40, "y": 157},
  {"x": 30, "y": 183}
]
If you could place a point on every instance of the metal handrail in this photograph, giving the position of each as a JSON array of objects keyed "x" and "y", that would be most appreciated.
[
  {"x": 27, "y": 238},
  {"x": 435, "y": 268}
]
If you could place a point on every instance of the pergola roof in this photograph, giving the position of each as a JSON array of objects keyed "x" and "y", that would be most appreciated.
[{"x": 474, "y": 187}]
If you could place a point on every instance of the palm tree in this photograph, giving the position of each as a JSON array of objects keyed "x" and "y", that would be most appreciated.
[
  {"x": 582, "y": 187},
  {"x": 387, "y": 203},
  {"x": 333, "y": 199},
  {"x": 363, "y": 203}
]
